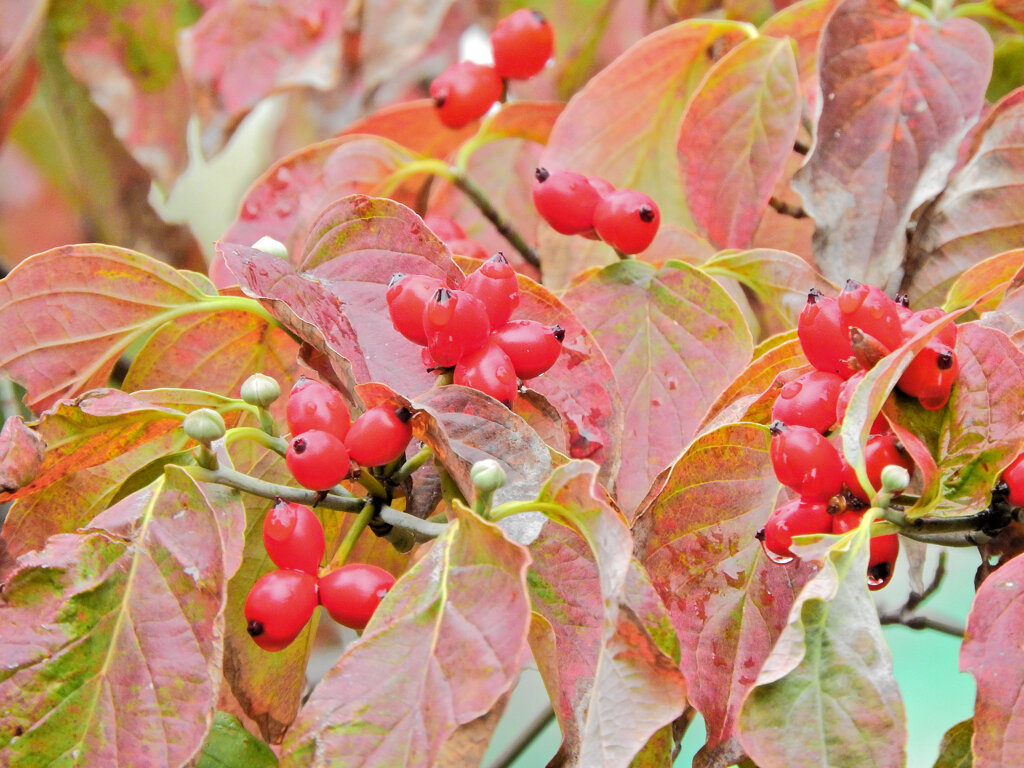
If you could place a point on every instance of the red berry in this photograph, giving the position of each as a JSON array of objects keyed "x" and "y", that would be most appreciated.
[
  {"x": 565, "y": 200},
  {"x": 809, "y": 400},
  {"x": 823, "y": 336},
  {"x": 312, "y": 405},
  {"x": 918, "y": 320},
  {"x": 883, "y": 551},
  {"x": 351, "y": 593},
  {"x": 627, "y": 220},
  {"x": 1013, "y": 476},
  {"x": 464, "y": 92},
  {"x": 531, "y": 346},
  {"x": 868, "y": 308},
  {"x": 931, "y": 375},
  {"x": 407, "y": 297},
  {"x": 456, "y": 323},
  {"x": 522, "y": 43},
  {"x": 471, "y": 249},
  {"x": 445, "y": 228},
  {"x": 293, "y": 537},
  {"x": 278, "y": 607},
  {"x": 604, "y": 188},
  {"x": 379, "y": 436},
  {"x": 879, "y": 426},
  {"x": 496, "y": 285},
  {"x": 879, "y": 452},
  {"x": 489, "y": 370},
  {"x": 805, "y": 461},
  {"x": 796, "y": 518},
  {"x": 317, "y": 460}
]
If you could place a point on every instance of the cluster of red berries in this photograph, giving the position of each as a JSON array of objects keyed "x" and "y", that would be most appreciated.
[
  {"x": 574, "y": 204},
  {"x": 471, "y": 330},
  {"x": 831, "y": 498},
  {"x": 522, "y": 43},
  {"x": 282, "y": 601},
  {"x": 324, "y": 441}
]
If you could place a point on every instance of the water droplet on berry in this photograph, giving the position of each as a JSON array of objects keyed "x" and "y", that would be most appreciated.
[
  {"x": 780, "y": 559},
  {"x": 791, "y": 390}
]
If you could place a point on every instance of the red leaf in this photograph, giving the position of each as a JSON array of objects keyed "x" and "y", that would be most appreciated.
[
  {"x": 444, "y": 646},
  {"x": 22, "y": 22},
  {"x": 803, "y": 22},
  {"x": 736, "y": 135},
  {"x": 899, "y": 93},
  {"x": 415, "y": 126},
  {"x": 993, "y": 652},
  {"x": 21, "y": 454}
]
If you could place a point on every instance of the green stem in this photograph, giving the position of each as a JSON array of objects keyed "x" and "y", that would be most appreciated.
[
  {"x": 988, "y": 11},
  {"x": 277, "y": 444},
  {"x": 515, "y": 507},
  {"x": 241, "y": 482},
  {"x": 417, "y": 461},
  {"x": 424, "y": 529},
  {"x": 352, "y": 534},
  {"x": 509, "y": 232},
  {"x": 371, "y": 484},
  {"x": 425, "y": 165}
]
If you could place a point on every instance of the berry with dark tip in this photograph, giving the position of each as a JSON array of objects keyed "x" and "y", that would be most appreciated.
[
  {"x": 464, "y": 92},
  {"x": 317, "y": 460},
  {"x": 278, "y": 606},
  {"x": 293, "y": 537},
  {"x": 490, "y": 371},
  {"x": 456, "y": 323},
  {"x": 565, "y": 200},
  {"x": 379, "y": 436},
  {"x": 407, "y": 297},
  {"x": 531, "y": 346},
  {"x": 809, "y": 400},
  {"x": 627, "y": 220},
  {"x": 313, "y": 405},
  {"x": 806, "y": 461},
  {"x": 496, "y": 285},
  {"x": 824, "y": 337},
  {"x": 522, "y": 43},
  {"x": 351, "y": 593}
]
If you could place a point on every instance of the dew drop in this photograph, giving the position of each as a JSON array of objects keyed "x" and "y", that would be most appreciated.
[
  {"x": 791, "y": 390},
  {"x": 780, "y": 559}
]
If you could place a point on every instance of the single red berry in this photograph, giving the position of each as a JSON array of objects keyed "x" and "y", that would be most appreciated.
[
  {"x": 351, "y": 593},
  {"x": 522, "y": 43},
  {"x": 805, "y": 461},
  {"x": 879, "y": 452},
  {"x": 919, "y": 320},
  {"x": 464, "y": 92},
  {"x": 868, "y": 308},
  {"x": 278, "y": 607},
  {"x": 293, "y": 537},
  {"x": 882, "y": 553},
  {"x": 470, "y": 249},
  {"x": 879, "y": 426},
  {"x": 1013, "y": 476},
  {"x": 489, "y": 370},
  {"x": 456, "y": 323},
  {"x": 317, "y": 460},
  {"x": 931, "y": 375},
  {"x": 312, "y": 405},
  {"x": 823, "y": 336},
  {"x": 627, "y": 220},
  {"x": 795, "y": 518},
  {"x": 444, "y": 227},
  {"x": 565, "y": 200},
  {"x": 531, "y": 346},
  {"x": 809, "y": 400},
  {"x": 379, "y": 436},
  {"x": 496, "y": 285},
  {"x": 407, "y": 297}
]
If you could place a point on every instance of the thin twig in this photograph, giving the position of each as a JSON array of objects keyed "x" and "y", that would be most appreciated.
[
  {"x": 519, "y": 744},
  {"x": 905, "y": 615},
  {"x": 787, "y": 209},
  {"x": 509, "y": 232},
  {"x": 924, "y": 622},
  {"x": 241, "y": 482}
]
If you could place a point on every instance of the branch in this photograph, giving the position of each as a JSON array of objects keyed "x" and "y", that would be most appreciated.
[
  {"x": 905, "y": 616},
  {"x": 509, "y": 232},
  {"x": 241, "y": 482},
  {"x": 962, "y": 531},
  {"x": 519, "y": 744},
  {"x": 787, "y": 209}
]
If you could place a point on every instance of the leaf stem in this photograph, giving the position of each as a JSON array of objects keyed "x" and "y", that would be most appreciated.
[
  {"x": 524, "y": 739},
  {"x": 256, "y": 487},
  {"x": 417, "y": 461},
  {"x": 276, "y": 444},
  {"x": 373, "y": 486},
  {"x": 423, "y": 165},
  {"x": 352, "y": 534},
  {"x": 509, "y": 508},
  {"x": 988, "y": 11},
  {"x": 509, "y": 232},
  {"x": 423, "y": 528}
]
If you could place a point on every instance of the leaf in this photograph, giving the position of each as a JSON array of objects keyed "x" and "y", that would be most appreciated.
[
  {"x": 467, "y": 747},
  {"x": 112, "y": 639},
  {"x": 543, "y": 418},
  {"x": 443, "y": 647},
  {"x": 395, "y": 34},
  {"x": 829, "y": 680},
  {"x": 238, "y": 54},
  {"x": 529, "y": 120},
  {"x": 634, "y": 105},
  {"x": 978, "y": 214},
  {"x": 899, "y": 93},
  {"x": 600, "y": 635},
  {"x": 736, "y": 135},
  {"x": 415, "y": 126},
  {"x": 981, "y": 278},
  {"x": 955, "y": 749},
  {"x": 70, "y": 314},
  {"x": 22, "y": 22},
  {"x": 992, "y": 644},
  {"x": 21, "y": 454},
  {"x": 675, "y": 339},
  {"x": 803, "y": 22},
  {"x": 728, "y": 602},
  {"x": 229, "y": 745}
]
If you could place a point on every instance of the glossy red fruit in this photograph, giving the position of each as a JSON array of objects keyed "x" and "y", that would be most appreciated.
[
  {"x": 293, "y": 537},
  {"x": 464, "y": 92},
  {"x": 795, "y": 518},
  {"x": 496, "y": 285},
  {"x": 445, "y": 228},
  {"x": 918, "y": 320},
  {"x": 456, "y": 323},
  {"x": 1013, "y": 476},
  {"x": 882, "y": 554},
  {"x": 565, "y": 200},
  {"x": 805, "y": 461},
  {"x": 317, "y": 460},
  {"x": 278, "y": 607},
  {"x": 931, "y": 375},
  {"x": 313, "y": 405},
  {"x": 879, "y": 426},
  {"x": 604, "y": 188},
  {"x": 522, "y": 43},
  {"x": 490, "y": 371},
  {"x": 471, "y": 249},
  {"x": 531, "y": 346},
  {"x": 879, "y": 452},
  {"x": 823, "y": 336},
  {"x": 379, "y": 436},
  {"x": 407, "y": 298},
  {"x": 868, "y": 308},
  {"x": 627, "y": 220},
  {"x": 351, "y": 593},
  {"x": 809, "y": 400}
]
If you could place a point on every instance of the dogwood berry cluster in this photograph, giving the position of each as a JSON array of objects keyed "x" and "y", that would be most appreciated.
[
  {"x": 574, "y": 204},
  {"x": 831, "y": 499},
  {"x": 522, "y": 43},
  {"x": 324, "y": 441},
  {"x": 470, "y": 329},
  {"x": 282, "y": 601}
]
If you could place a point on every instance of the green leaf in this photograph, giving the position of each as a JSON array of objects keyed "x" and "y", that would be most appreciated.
[
  {"x": 229, "y": 745},
  {"x": 955, "y": 749},
  {"x": 828, "y": 683},
  {"x": 983, "y": 277}
]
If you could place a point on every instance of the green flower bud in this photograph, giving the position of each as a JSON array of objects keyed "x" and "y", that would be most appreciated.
[
  {"x": 260, "y": 390},
  {"x": 269, "y": 245},
  {"x": 895, "y": 478},
  {"x": 204, "y": 425},
  {"x": 487, "y": 476}
]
